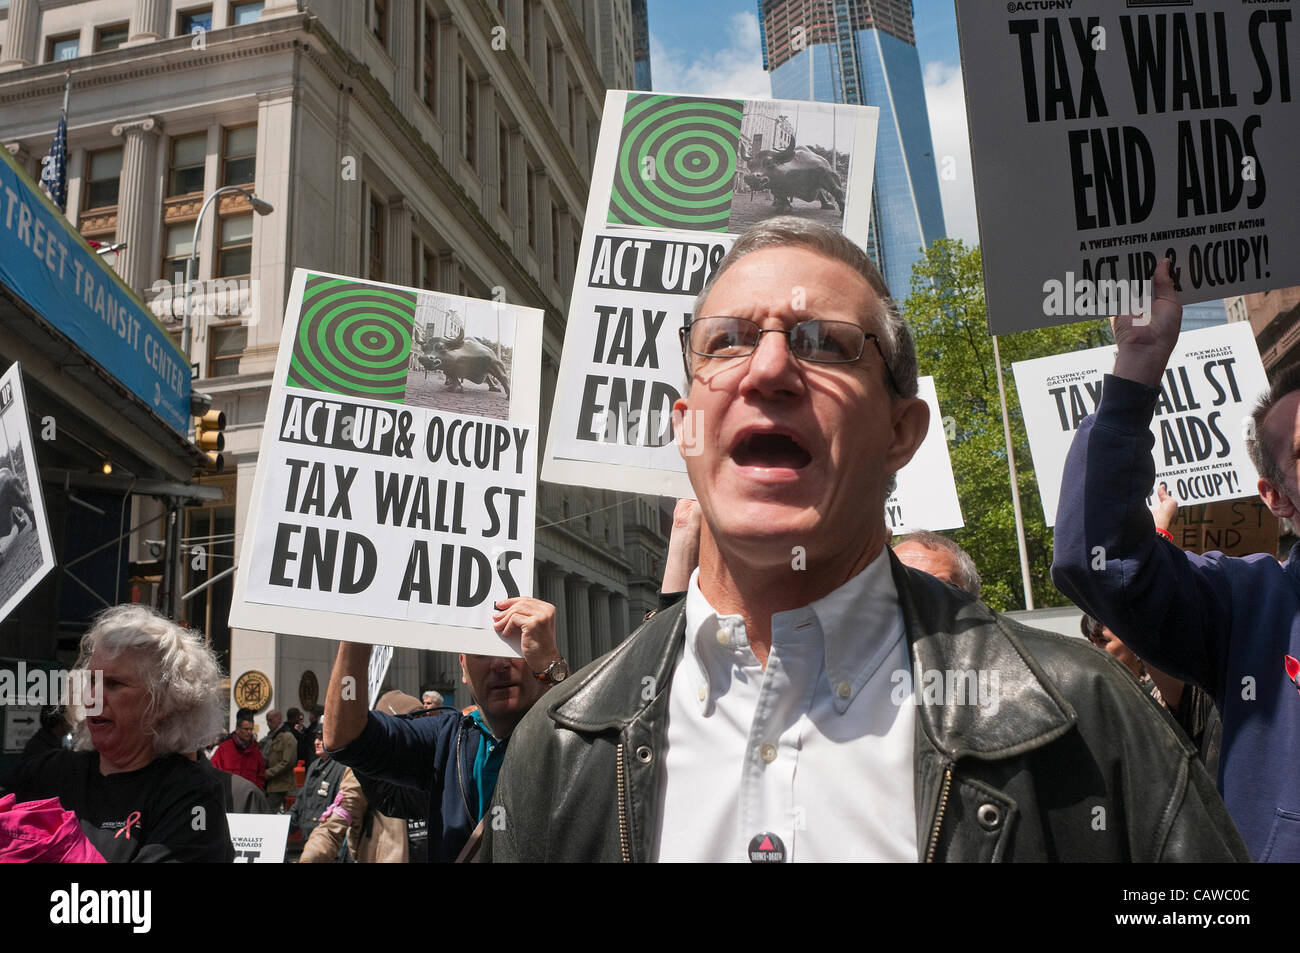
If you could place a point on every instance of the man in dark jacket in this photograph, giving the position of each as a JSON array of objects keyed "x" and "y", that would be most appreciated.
[
  {"x": 811, "y": 698},
  {"x": 318, "y": 790},
  {"x": 1224, "y": 624},
  {"x": 452, "y": 758}
]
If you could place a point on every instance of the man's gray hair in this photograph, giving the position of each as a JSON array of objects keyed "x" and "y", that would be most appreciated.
[
  {"x": 180, "y": 672},
  {"x": 1262, "y": 453},
  {"x": 437, "y": 697},
  {"x": 789, "y": 230},
  {"x": 968, "y": 577}
]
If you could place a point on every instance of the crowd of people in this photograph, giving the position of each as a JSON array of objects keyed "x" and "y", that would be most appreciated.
[{"x": 777, "y": 708}]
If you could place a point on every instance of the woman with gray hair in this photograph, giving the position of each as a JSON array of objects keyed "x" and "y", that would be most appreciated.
[{"x": 151, "y": 693}]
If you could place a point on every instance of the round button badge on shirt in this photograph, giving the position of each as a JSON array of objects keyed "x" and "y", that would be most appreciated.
[
  {"x": 766, "y": 848},
  {"x": 768, "y": 752}
]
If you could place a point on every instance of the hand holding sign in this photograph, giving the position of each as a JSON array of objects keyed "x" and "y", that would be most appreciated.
[
  {"x": 1145, "y": 342},
  {"x": 532, "y": 621},
  {"x": 1166, "y": 509}
]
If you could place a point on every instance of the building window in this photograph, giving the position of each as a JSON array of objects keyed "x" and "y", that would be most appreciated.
[
  {"x": 235, "y": 255},
  {"x": 430, "y": 269},
  {"x": 188, "y": 156},
  {"x": 213, "y": 528},
  {"x": 194, "y": 21},
  {"x": 378, "y": 10},
  {"x": 376, "y": 240},
  {"x": 62, "y": 47},
  {"x": 239, "y": 159},
  {"x": 226, "y": 345},
  {"x": 179, "y": 241},
  {"x": 503, "y": 164},
  {"x": 550, "y": 76},
  {"x": 528, "y": 33},
  {"x": 111, "y": 37},
  {"x": 105, "y": 172},
  {"x": 431, "y": 62},
  {"x": 530, "y": 185},
  {"x": 471, "y": 118},
  {"x": 555, "y": 243},
  {"x": 241, "y": 13}
]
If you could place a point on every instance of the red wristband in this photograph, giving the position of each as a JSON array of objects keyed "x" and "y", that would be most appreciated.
[{"x": 1165, "y": 533}]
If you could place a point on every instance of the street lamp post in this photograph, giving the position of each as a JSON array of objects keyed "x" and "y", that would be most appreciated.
[{"x": 259, "y": 206}]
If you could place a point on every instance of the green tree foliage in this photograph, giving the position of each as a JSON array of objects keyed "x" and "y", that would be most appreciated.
[{"x": 946, "y": 311}]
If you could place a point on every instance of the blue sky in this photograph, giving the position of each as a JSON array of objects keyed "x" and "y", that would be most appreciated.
[{"x": 711, "y": 47}]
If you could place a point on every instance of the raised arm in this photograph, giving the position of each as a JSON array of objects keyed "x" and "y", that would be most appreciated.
[{"x": 1172, "y": 608}]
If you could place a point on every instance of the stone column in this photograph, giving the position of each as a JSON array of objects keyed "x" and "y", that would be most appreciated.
[
  {"x": 137, "y": 205},
  {"x": 148, "y": 22},
  {"x": 561, "y": 92},
  {"x": 579, "y": 616},
  {"x": 448, "y": 273},
  {"x": 618, "y": 609},
  {"x": 552, "y": 591},
  {"x": 21, "y": 35},
  {"x": 272, "y": 254},
  {"x": 402, "y": 36},
  {"x": 602, "y": 639},
  {"x": 449, "y": 92},
  {"x": 516, "y": 182},
  {"x": 398, "y": 241},
  {"x": 490, "y": 150}
]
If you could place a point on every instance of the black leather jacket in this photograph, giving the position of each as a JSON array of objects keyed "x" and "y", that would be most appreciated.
[{"x": 1077, "y": 763}]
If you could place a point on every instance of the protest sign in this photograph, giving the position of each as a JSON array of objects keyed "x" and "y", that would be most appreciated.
[
  {"x": 1231, "y": 527},
  {"x": 1107, "y": 134},
  {"x": 675, "y": 179},
  {"x": 26, "y": 550},
  {"x": 395, "y": 490},
  {"x": 259, "y": 838},
  {"x": 1200, "y": 425},
  {"x": 926, "y": 495},
  {"x": 380, "y": 658}
]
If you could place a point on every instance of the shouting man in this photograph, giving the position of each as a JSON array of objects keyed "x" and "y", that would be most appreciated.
[{"x": 811, "y": 698}]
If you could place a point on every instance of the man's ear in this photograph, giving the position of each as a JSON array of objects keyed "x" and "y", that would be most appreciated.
[
  {"x": 1278, "y": 503},
  {"x": 911, "y": 417},
  {"x": 680, "y": 410}
]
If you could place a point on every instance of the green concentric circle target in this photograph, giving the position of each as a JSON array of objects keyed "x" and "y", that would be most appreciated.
[
  {"x": 676, "y": 163},
  {"x": 353, "y": 339}
]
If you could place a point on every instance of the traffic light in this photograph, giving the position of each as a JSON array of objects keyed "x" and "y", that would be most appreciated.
[{"x": 210, "y": 439}]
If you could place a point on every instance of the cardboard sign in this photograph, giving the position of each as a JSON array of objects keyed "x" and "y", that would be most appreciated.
[
  {"x": 259, "y": 838},
  {"x": 675, "y": 180},
  {"x": 1107, "y": 134},
  {"x": 1234, "y": 528},
  {"x": 1210, "y": 387},
  {"x": 926, "y": 495},
  {"x": 26, "y": 550},
  {"x": 381, "y": 656},
  {"x": 396, "y": 484}
]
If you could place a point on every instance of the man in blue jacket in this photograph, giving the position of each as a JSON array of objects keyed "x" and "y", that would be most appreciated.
[
  {"x": 1223, "y": 623},
  {"x": 453, "y": 758}
]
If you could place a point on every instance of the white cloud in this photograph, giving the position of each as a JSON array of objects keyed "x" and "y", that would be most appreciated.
[
  {"x": 945, "y": 101},
  {"x": 734, "y": 68}
]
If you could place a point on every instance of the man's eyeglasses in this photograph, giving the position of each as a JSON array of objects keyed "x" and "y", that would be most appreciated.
[{"x": 815, "y": 340}]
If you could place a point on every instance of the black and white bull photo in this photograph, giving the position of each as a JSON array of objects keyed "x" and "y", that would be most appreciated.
[
  {"x": 795, "y": 172},
  {"x": 465, "y": 359}
]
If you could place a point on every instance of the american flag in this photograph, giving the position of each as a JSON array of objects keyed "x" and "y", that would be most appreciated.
[{"x": 54, "y": 167}]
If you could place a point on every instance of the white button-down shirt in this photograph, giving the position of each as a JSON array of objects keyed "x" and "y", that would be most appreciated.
[{"x": 816, "y": 749}]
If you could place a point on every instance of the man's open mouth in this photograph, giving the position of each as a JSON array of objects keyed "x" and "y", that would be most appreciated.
[{"x": 771, "y": 450}]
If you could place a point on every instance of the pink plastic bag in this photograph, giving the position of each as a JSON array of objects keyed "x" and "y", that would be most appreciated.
[{"x": 42, "y": 832}]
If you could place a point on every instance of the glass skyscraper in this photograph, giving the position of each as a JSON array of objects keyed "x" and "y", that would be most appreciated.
[{"x": 863, "y": 52}]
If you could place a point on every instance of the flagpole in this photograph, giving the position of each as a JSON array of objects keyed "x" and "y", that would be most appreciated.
[
  {"x": 67, "y": 90},
  {"x": 1015, "y": 490}
]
